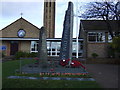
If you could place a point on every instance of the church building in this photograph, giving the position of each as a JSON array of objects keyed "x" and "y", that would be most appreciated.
[{"x": 21, "y": 35}]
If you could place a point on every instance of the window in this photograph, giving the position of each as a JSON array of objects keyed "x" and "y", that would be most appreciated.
[
  {"x": 73, "y": 54},
  {"x": 46, "y": 4},
  {"x": 53, "y": 48},
  {"x": 109, "y": 38},
  {"x": 48, "y": 45},
  {"x": 34, "y": 46},
  {"x": 96, "y": 36},
  {"x": 74, "y": 47},
  {"x": 50, "y": 3},
  {"x": 92, "y": 36}
]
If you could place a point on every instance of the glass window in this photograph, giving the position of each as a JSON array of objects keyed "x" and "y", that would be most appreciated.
[
  {"x": 34, "y": 46},
  {"x": 53, "y": 48},
  {"x": 109, "y": 38},
  {"x": 48, "y": 45},
  {"x": 58, "y": 46},
  {"x": 50, "y": 4},
  {"x": 58, "y": 53},
  {"x": 53, "y": 45},
  {"x": 53, "y": 53},
  {"x": 79, "y": 54},
  {"x": 74, "y": 47},
  {"x": 96, "y": 36},
  {"x": 73, "y": 54},
  {"x": 46, "y": 4}
]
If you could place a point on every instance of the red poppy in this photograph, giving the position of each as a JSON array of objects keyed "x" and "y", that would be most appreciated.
[
  {"x": 64, "y": 62},
  {"x": 76, "y": 63}
]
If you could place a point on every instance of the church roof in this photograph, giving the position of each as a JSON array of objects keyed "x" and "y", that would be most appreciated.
[
  {"x": 99, "y": 25},
  {"x": 11, "y": 30},
  {"x": 18, "y": 20}
]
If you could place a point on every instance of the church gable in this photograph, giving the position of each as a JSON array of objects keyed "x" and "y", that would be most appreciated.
[{"x": 11, "y": 30}]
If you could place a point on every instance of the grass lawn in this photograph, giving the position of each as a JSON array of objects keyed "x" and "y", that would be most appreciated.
[{"x": 8, "y": 69}]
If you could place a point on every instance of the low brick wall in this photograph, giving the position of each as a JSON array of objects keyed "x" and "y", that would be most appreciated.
[{"x": 102, "y": 61}]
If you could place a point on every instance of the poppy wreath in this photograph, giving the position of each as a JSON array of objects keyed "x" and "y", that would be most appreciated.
[
  {"x": 73, "y": 64},
  {"x": 76, "y": 63},
  {"x": 64, "y": 62}
]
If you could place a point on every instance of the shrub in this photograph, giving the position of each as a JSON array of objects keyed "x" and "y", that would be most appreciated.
[
  {"x": 116, "y": 44},
  {"x": 24, "y": 54},
  {"x": 110, "y": 52},
  {"x": 32, "y": 54},
  {"x": 20, "y": 54},
  {"x": 94, "y": 55}
]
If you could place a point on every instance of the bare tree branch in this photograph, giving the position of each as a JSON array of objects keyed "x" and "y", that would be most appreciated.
[{"x": 103, "y": 10}]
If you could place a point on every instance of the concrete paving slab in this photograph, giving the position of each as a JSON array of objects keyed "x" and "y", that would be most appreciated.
[{"x": 105, "y": 74}]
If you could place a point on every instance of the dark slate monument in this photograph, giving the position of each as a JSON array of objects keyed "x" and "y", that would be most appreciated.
[
  {"x": 66, "y": 43},
  {"x": 42, "y": 48}
]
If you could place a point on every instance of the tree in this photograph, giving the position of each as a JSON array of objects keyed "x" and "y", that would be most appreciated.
[
  {"x": 116, "y": 44},
  {"x": 105, "y": 11}
]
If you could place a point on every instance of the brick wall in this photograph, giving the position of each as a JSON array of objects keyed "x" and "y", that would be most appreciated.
[
  {"x": 25, "y": 46},
  {"x": 99, "y": 48}
]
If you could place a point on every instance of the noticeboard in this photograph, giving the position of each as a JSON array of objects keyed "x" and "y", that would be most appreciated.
[{"x": 3, "y": 47}]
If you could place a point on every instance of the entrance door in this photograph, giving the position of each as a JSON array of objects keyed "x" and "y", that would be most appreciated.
[{"x": 13, "y": 47}]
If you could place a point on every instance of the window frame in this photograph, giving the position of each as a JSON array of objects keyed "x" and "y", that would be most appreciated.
[{"x": 97, "y": 37}]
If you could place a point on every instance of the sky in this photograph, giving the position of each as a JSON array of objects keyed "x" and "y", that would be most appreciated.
[{"x": 10, "y": 10}]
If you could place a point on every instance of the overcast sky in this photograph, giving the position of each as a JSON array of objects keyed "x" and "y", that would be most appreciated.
[{"x": 33, "y": 12}]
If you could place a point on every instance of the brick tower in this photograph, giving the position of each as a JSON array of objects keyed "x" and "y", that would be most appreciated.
[{"x": 49, "y": 17}]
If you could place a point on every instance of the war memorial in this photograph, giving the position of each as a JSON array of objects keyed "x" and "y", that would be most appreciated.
[
  {"x": 64, "y": 67},
  {"x": 65, "y": 64}
]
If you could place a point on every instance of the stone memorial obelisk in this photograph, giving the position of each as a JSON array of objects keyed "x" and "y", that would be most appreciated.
[
  {"x": 42, "y": 48},
  {"x": 66, "y": 43}
]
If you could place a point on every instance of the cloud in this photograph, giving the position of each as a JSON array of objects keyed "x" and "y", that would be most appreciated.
[
  {"x": 10, "y": 9},
  {"x": 22, "y": 0},
  {"x": 32, "y": 11}
]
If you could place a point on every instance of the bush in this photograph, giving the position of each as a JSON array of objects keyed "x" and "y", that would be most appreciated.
[
  {"x": 116, "y": 44},
  {"x": 24, "y": 54},
  {"x": 94, "y": 55},
  {"x": 32, "y": 54},
  {"x": 20, "y": 54},
  {"x": 115, "y": 47},
  {"x": 110, "y": 52}
]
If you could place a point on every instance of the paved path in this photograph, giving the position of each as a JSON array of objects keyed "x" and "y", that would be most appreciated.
[
  {"x": 52, "y": 78},
  {"x": 105, "y": 74}
]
